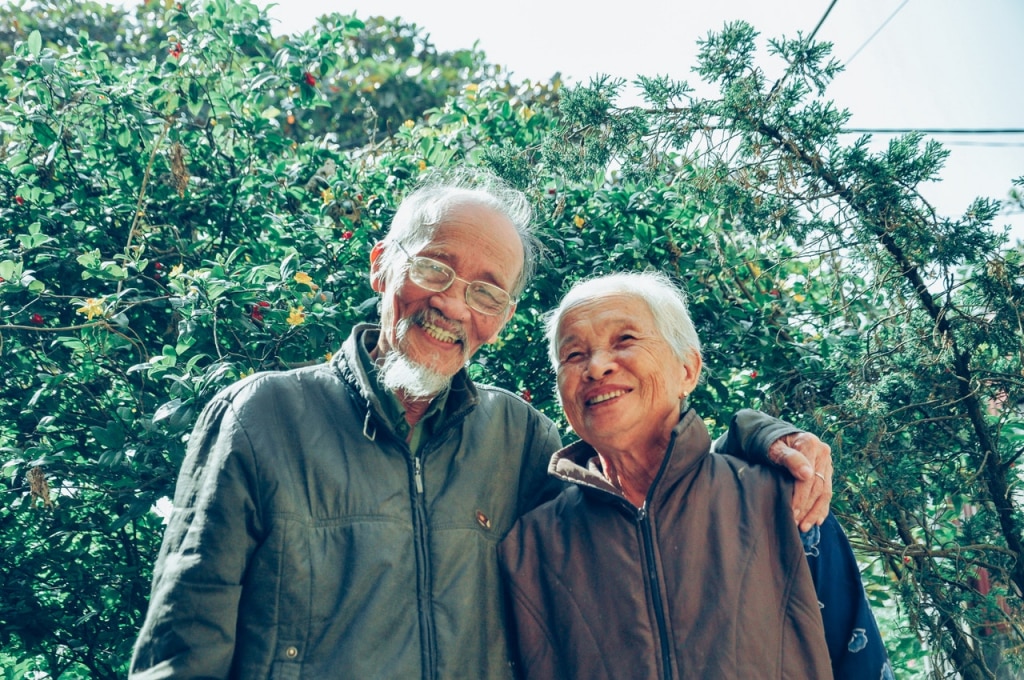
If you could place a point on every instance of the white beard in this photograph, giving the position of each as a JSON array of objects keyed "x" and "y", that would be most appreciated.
[{"x": 401, "y": 375}]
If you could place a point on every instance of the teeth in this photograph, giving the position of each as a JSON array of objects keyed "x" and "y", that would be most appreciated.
[
  {"x": 605, "y": 397},
  {"x": 439, "y": 333}
]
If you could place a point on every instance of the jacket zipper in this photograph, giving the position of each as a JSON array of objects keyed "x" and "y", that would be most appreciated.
[
  {"x": 424, "y": 576},
  {"x": 651, "y": 571}
]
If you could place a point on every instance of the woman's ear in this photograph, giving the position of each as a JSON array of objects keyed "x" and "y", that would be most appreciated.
[
  {"x": 691, "y": 374},
  {"x": 377, "y": 278}
]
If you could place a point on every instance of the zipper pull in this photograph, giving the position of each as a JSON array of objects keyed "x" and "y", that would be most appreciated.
[
  {"x": 641, "y": 514},
  {"x": 418, "y": 474}
]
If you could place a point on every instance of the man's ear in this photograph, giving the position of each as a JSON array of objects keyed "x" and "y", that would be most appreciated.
[
  {"x": 377, "y": 278},
  {"x": 508, "y": 315}
]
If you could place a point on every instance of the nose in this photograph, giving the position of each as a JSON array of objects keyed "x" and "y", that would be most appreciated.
[
  {"x": 600, "y": 364},
  {"x": 452, "y": 301}
]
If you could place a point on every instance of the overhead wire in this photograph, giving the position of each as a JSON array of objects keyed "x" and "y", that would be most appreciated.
[
  {"x": 939, "y": 131},
  {"x": 877, "y": 31}
]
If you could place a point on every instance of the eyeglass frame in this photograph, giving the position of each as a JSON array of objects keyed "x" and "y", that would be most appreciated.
[{"x": 455, "y": 277}]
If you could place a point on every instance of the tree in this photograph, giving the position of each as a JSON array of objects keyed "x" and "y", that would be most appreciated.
[
  {"x": 897, "y": 329},
  {"x": 187, "y": 198},
  {"x": 168, "y": 228}
]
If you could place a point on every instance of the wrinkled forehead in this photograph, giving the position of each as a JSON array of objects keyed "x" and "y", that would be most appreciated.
[{"x": 601, "y": 311}]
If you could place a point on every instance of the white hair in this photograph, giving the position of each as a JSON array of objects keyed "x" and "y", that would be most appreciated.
[
  {"x": 665, "y": 300},
  {"x": 425, "y": 209}
]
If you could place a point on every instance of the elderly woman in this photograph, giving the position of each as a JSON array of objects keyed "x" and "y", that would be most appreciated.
[{"x": 663, "y": 559}]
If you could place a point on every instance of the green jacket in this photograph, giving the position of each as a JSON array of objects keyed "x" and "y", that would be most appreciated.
[{"x": 307, "y": 541}]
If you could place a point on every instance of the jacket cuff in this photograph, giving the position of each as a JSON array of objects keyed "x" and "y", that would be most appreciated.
[{"x": 750, "y": 434}]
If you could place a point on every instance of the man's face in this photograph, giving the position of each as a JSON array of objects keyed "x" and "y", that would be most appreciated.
[{"x": 439, "y": 331}]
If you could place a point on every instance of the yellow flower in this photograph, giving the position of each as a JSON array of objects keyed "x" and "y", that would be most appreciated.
[
  {"x": 579, "y": 221},
  {"x": 422, "y": 165},
  {"x": 176, "y": 271},
  {"x": 306, "y": 279},
  {"x": 799, "y": 298},
  {"x": 409, "y": 124},
  {"x": 296, "y": 316},
  {"x": 327, "y": 195},
  {"x": 328, "y": 357},
  {"x": 527, "y": 112},
  {"x": 472, "y": 87},
  {"x": 91, "y": 308},
  {"x": 754, "y": 269}
]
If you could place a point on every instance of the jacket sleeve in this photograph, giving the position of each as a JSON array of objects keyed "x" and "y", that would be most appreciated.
[
  {"x": 854, "y": 641},
  {"x": 189, "y": 628},
  {"x": 750, "y": 434},
  {"x": 535, "y": 484}
]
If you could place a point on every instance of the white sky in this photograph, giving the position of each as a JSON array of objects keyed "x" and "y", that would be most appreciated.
[{"x": 935, "y": 64}]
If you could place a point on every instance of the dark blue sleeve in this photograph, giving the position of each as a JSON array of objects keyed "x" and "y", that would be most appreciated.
[{"x": 854, "y": 643}]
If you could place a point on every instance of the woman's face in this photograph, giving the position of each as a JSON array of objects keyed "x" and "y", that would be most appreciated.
[{"x": 619, "y": 380}]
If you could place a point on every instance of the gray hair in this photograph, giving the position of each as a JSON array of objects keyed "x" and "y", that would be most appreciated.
[
  {"x": 665, "y": 300},
  {"x": 425, "y": 209}
]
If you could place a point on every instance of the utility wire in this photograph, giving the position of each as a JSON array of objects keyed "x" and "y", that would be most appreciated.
[
  {"x": 825, "y": 16},
  {"x": 938, "y": 131},
  {"x": 987, "y": 145},
  {"x": 778, "y": 83},
  {"x": 877, "y": 31}
]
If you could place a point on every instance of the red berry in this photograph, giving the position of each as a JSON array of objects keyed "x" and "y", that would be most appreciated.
[
  {"x": 310, "y": 79},
  {"x": 158, "y": 266},
  {"x": 347, "y": 235},
  {"x": 527, "y": 397},
  {"x": 256, "y": 314},
  {"x": 37, "y": 319},
  {"x": 19, "y": 200},
  {"x": 263, "y": 303},
  {"x": 753, "y": 374}
]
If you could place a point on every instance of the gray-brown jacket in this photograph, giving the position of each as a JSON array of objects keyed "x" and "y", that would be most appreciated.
[{"x": 708, "y": 580}]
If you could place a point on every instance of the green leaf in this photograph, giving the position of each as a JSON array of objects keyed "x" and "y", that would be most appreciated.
[{"x": 35, "y": 43}]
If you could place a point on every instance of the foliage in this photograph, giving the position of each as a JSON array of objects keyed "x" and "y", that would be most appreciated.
[
  {"x": 895, "y": 331},
  {"x": 187, "y": 198}
]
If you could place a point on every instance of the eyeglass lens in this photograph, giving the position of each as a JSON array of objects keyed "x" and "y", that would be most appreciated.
[{"x": 437, "y": 276}]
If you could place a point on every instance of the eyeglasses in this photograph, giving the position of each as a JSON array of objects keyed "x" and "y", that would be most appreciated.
[{"x": 438, "y": 277}]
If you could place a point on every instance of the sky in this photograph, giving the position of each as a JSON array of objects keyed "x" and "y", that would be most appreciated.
[{"x": 922, "y": 64}]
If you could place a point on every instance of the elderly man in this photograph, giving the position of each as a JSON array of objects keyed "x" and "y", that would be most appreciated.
[{"x": 341, "y": 520}]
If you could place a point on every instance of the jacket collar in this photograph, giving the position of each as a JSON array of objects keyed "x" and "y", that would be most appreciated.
[
  {"x": 462, "y": 394},
  {"x": 689, "y": 445}
]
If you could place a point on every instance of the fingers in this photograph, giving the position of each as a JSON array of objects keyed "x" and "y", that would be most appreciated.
[
  {"x": 817, "y": 511},
  {"x": 809, "y": 460}
]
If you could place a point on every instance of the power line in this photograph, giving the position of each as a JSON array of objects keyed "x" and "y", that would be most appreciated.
[
  {"x": 877, "y": 31},
  {"x": 825, "y": 16},
  {"x": 937, "y": 131},
  {"x": 988, "y": 145}
]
